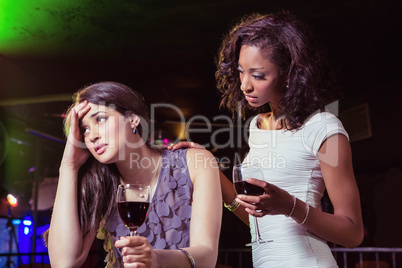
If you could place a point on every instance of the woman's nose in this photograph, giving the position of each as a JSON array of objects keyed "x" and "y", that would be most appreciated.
[
  {"x": 93, "y": 135},
  {"x": 246, "y": 87}
]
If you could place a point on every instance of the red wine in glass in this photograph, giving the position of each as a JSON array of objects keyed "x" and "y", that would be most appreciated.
[
  {"x": 133, "y": 214},
  {"x": 243, "y": 187},
  {"x": 133, "y": 203},
  {"x": 241, "y": 173}
]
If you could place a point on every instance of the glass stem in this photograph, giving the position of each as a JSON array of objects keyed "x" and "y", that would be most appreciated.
[{"x": 257, "y": 230}]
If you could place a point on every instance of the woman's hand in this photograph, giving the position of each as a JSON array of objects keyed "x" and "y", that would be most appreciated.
[
  {"x": 136, "y": 251},
  {"x": 184, "y": 144},
  {"x": 274, "y": 201},
  {"x": 75, "y": 152}
]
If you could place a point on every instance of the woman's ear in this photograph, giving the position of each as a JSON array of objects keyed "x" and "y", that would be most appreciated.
[
  {"x": 134, "y": 121},
  {"x": 285, "y": 83}
]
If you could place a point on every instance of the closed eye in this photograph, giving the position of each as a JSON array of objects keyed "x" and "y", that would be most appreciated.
[{"x": 258, "y": 77}]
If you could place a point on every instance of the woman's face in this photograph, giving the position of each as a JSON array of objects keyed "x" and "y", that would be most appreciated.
[
  {"x": 260, "y": 80},
  {"x": 105, "y": 133}
]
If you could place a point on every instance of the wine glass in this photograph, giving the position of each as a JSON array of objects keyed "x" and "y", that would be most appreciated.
[
  {"x": 133, "y": 203},
  {"x": 241, "y": 172}
]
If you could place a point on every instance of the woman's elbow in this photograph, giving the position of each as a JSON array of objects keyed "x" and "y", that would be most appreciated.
[
  {"x": 65, "y": 263},
  {"x": 57, "y": 263},
  {"x": 62, "y": 260},
  {"x": 355, "y": 240},
  {"x": 212, "y": 257}
]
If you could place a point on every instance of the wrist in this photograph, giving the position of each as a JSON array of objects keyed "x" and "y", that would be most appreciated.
[
  {"x": 155, "y": 259},
  {"x": 305, "y": 215},
  {"x": 68, "y": 167},
  {"x": 190, "y": 258},
  {"x": 293, "y": 206},
  {"x": 301, "y": 212},
  {"x": 232, "y": 206},
  {"x": 227, "y": 199}
]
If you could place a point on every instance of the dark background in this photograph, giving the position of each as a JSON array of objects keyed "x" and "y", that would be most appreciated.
[{"x": 166, "y": 50}]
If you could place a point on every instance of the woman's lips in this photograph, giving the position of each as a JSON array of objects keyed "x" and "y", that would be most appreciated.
[
  {"x": 100, "y": 149},
  {"x": 251, "y": 98}
]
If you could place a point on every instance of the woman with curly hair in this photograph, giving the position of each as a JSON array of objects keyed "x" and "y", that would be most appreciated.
[{"x": 273, "y": 64}]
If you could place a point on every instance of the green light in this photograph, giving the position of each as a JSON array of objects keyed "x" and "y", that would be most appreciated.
[
  {"x": 70, "y": 26},
  {"x": 28, "y": 26}
]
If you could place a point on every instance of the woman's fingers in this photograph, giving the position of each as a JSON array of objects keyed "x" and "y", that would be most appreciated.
[
  {"x": 134, "y": 245},
  {"x": 74, "y": 136},
  {"x": 259, "y": 205},
  {"x": 76, "y": 152},
  {"x": 247, "y": 201},
  {"x": 130, "y": 241},
  {"x": 274, "y": 201},
  {"x": 257, "y": 182},
  {"x": 82, "y": 108},
  {"x": 78, "y": 112},
  {"x": 252, "y": 205},
  {"x": 185, "y": 144},
  {"x": 135, "y": 250}
]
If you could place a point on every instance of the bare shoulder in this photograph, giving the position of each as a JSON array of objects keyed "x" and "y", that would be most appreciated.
[
  {"x": 200, "y": 158},
  {"x": 202, "y": 163}
]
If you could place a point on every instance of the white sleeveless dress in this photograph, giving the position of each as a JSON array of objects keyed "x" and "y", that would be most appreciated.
[{"x": 289, "y": 160}]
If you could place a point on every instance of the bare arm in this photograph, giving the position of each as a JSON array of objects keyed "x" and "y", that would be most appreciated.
[
  {"x": 345, "y": 226},
  {"x": 67, "y": 247},
  {"x": 228, "y": 192},
  {"x": 206, "y": 216}
]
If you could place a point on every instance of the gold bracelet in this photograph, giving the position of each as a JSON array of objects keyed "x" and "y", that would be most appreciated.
[{"x": 233, "y": 206}]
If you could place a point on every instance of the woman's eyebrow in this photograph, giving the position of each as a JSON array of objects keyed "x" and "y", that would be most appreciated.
[
  {"x": 251, "y": 69},
  {"x": 82, "y": 122},
  {"x": 256, "y": 69},
  {"x": 96, "y": 113}
]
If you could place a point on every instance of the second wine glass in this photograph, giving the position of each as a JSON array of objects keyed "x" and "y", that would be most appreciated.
[
  {"x": 241, "y": 173},
  {"x": 133, "y": 203}
]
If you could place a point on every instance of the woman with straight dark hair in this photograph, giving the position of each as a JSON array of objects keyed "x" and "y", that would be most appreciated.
[{"x": 107, "y": 145}]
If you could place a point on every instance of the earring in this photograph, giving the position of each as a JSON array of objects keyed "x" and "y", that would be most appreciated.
[{"x": 135, "y": 130}]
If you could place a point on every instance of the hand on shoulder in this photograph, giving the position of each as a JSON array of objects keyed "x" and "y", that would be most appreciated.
[{"x": 184, "y": 144}]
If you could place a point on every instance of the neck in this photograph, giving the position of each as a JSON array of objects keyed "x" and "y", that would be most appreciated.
[
  {"x": 271, "y": 120},
  {"x": 141, "y": 166},
  {"x": 274, "y": 112}
]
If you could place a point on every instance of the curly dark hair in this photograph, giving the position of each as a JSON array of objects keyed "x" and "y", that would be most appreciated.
[{"x": 289, "y": 44}]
